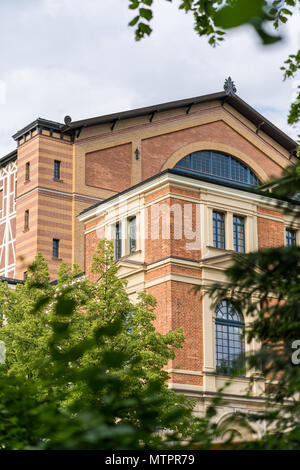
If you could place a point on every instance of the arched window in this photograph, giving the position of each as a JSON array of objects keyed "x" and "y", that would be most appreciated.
[
  {"x": 229, "y": 340},
  {"x": 217, "y": 165}
]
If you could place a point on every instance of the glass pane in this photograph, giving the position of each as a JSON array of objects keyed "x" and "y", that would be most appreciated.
[
  {"x": 218, "y": 230},
  {"x": 218, "y": 165},
  {"x": 118, "y": 241},
  {"x": 132, "y": 235},
  {"x": 290, "y": 237},
  {"x": 239, "y": 234},
  {"x": 239, "y": 171},
  {"x": 229, "y": 340}
]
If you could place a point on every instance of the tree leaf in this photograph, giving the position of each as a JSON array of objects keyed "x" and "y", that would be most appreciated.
[
  {"x": 134, "y": 21},
  {"x": 146, "y": 13},
  {"x": 238, "y": 14}
]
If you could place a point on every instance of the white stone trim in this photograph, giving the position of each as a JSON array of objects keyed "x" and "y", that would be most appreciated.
[
  {"x": 185, "y": 372},
  {"x": 236, "y": 194}
]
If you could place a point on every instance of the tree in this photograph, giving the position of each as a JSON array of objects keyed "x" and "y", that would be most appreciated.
[
  {"x": 85, "y": 366},
  {"x": 214, "y": 17}
]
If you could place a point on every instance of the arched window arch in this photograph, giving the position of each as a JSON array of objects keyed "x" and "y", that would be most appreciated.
[
  {"x": 230, "y": 348},
  {"x": 218, "y": 165}
]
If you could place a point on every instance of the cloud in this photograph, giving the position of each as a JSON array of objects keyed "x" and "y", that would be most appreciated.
[{"x": 80, "y": 58}]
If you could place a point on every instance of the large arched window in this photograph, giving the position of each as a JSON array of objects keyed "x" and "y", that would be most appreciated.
[
  {"x": 220, "y": 166},
  {"x": 229, "y": 340}
]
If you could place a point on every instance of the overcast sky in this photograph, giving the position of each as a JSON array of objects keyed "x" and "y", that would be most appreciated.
[{"x": 79, "y": 57}]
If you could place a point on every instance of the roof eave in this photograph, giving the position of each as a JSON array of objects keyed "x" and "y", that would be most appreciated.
[
  {"x": 37, "y": 122},
  {"x": 10, "y": 157},
  {"x": 144, "y": 111},
  {"x": 232, "y": 99}
]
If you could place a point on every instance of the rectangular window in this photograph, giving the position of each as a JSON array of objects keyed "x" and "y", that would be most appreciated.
[
  {"x": 219, "y": 230},
  {"x": 55, "y": 248},
  {"x": 239, "y": 234},
  {"x": 132, "y": 235},
  {"x": 27, "y": 171},
  {"x": 26, "y": 220},
  {"x": 56, "y": 169},
  {"x": 118, "y": 241},
  {"x": 290, "y": 236}
]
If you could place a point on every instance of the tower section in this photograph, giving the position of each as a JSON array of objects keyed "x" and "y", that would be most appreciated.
[{"x": 44, "y": 196}]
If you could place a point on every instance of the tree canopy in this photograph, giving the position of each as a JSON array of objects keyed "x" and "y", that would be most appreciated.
[{"x": 85, "y": 366}]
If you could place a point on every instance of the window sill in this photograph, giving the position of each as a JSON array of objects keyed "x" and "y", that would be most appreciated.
[
  {"x": 133, "y": 253},
  {"x": 129, "y": 255},
  {"x": 58, "y": 180},
  {"x": 56, "y": 259},
  {"x": 27, "y": 181},
  {"x": 26, "y": 230},
  {"x": 232, "y": 376},
  {"x": 220, "y": 249}
]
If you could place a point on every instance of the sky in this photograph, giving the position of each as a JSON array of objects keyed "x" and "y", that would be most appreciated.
[{"x": 80, "y": 58}]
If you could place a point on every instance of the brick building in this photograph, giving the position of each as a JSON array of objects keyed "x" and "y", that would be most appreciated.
[{"x": 172, "y": 184}]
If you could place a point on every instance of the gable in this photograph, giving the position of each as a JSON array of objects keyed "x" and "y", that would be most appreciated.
[{"x": 164, "y": 151}]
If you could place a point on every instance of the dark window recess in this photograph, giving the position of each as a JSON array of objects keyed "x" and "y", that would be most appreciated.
[
  {"x": 239, "y": 234},
  {"x": 290, "y": 236},
  {"x": 217, "y": 165},
  {"x": 55, "y": 248},
  {"x": 230, "y": 349},
  {"x": 57, "y": 169},
  {"x": 118, "y": 241},
  {"x": 27, "y": 171},
  {"x": 132, "y": 235},
  {"x": 219, "y": 230},
  {"x": 26, "y": 220}
]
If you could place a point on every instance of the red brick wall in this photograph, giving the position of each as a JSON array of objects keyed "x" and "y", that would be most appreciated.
[
  {"x": 270, "y": 233},
  {"x": 161, "y": 248},
  {"x": 157, "y": 150},
  {"x": 179, "y": 307},
  {"x": 109, "y": 168}
]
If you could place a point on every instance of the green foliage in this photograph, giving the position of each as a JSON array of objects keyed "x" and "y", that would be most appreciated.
[
  {"x": 291, "y": 67},
  {"x": 212, "y": 18},
  {"x": 85, "y": 367}
]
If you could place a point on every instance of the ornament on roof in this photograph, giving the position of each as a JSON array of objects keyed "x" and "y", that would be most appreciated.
[
  {"x": 229, "y": 87},
  {"x": 68, "y": 120}
]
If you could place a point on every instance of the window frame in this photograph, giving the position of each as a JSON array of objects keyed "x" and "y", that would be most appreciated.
[
  {"x": 118, "y": 240},
  {"x": 217, "y": 165},
  {"x": 289, "y": 239},
  {"x": 56, "y": 169},
  {"x": 26, "y": 219},
  {"x": 235, "y": 227},
  {"x": 216, "y": 230},
  {"x": 55, "y": 248},
  {"x": 131, "y": 238},
  {"x": 227, "y": 323},
  {"x": 27, "y": 171}
]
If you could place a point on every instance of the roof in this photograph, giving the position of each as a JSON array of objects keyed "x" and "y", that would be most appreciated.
[
  {"x": 10, "y": 280},
  {"x": 37, "y": 123},
  {"x": 10, "y": 157},
  {"x": 174, "y": 171},
  {"x": 235, "y": 101}
]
